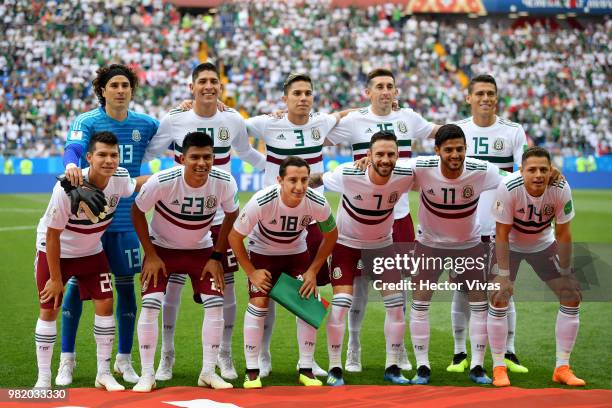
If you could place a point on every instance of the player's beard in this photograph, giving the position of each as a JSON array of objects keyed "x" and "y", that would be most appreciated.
[{"x": 383, "y": 171}]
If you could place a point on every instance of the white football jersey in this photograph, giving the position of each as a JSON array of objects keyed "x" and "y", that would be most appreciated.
[
  {"x": 80, "y": 237},
  {"x": 183, "y": 214},
  {"x": 276, "y": 229},
  {"x": 501, "y": 144},
  {"x": 447, "y": 212},
  {"x": 365, "y": 216},
  {"x": 283, "y": 139},
  {"x": 227, "y": 128},
  {"x": 531, "y": 217},
  {"x": 357, "y": 129}
]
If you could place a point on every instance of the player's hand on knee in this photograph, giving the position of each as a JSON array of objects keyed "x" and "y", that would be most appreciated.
[
  {"x": 215, "y": 269},
  {"x": 502, "y": 295},
  {"x": 309, "y": 285},
  {"x": 262, "y": 279},
  {"x": 362, "y": 163},
  {"x": 151, "y": 268},
  {"x": 52, "y": 291}
]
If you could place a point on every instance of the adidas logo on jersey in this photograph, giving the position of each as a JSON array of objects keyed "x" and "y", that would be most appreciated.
[
  {"x": 176, "y": 202},
  {"x": 281, "y": 137},
  {"x": 273, "y": 222},
  {"x": 521, "y": 211},
  {"x": 430, "y": 191},
  {"x": 358, "y": 197},
  {"x": 369, "y": 130}
]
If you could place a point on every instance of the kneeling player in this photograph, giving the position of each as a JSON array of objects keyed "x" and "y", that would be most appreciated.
[
  {"x": 69, "y": 245},
  {"x": 275, "y": 220},
  {"x": 525, "y": 207},
  {"x": 185, "y": 199}
]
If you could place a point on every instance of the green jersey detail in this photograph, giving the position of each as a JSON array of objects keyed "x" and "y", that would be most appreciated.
[{"x": 568, "y": 207}]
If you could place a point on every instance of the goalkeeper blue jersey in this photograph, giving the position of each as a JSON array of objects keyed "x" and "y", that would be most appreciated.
[{"x": 134, "y": 134}]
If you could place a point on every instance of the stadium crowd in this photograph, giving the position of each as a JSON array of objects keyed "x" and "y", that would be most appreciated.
[{"x": 557, "y": 82}]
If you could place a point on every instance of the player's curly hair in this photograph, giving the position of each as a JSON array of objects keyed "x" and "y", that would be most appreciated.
[{"x": 104, "y": 74}]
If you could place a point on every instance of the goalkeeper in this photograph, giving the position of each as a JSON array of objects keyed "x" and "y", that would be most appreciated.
[
  {"x": 68, "y": 245},
  {"x": 275, "y": 220}
]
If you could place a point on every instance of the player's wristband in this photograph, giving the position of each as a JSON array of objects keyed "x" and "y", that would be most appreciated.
[
  {"x": 216, "y": 256},
  {"x": 503, "y": 272},
  {"x": 565, "y": 271}
]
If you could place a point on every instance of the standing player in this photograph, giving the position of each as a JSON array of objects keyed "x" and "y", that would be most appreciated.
[
  {"x": 298, "y": 133},
  {"x": 275, "y": 220},
  {"x": 501, "y": 143},
  {"x": 526, "y": 205},
  {"x": 357, "y": 129},
  {"x": 185, "y": 199},
  {"x": 365, "y": 222},
  {"x": 69, "y": 245},
  {"x": 228, "y": 131},
  {"x": 451, "y": 185},
  {"x": 114, "y": 86}
]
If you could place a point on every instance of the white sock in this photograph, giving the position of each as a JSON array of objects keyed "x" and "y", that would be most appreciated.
[
  {"x": 511, "y": 326},
  {"x": 566, "y": 330},
  {"x": 478, "y": 332},
  {"x": 212, "y": 331},
  {"x": 268, "y": 326},
  {"x": 307, "y": 339},
  {"x": 104, "y": 333},
  {"x": 336, "y": 323},
  {"x": 229, "y": 314},
  {"x": 357, "y": 312},
  {"x": 419, "y": 331},
  {"x": 460, "y": 316},
  {"x": 395, "y": 327},
  {"x": 44, "y": 338},
  {"x": 148, "y": 330},
  {"x": 497, "y": 330},
  {"x": 253, "y": 333},
  {"x": 172, "y": 301}
]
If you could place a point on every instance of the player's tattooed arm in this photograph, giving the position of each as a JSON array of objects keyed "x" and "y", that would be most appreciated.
[
  {"x": 315, "y": 180},
  {"x": 501, "y": 270}
]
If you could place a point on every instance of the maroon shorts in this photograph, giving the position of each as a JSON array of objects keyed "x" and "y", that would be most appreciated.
[
  {"x": 229, "y": 262},
  {"x": 313, "y": 241},
  {"x": 92, "y": 273},
  {"x": 293, "y": 265},
  {"x": 471, "y": 264},
  {"x": 403, "y": 229},
  {"x": 545, "y": 263},
  {"x": 185, "y": 261},
  {"x": 349, "y": 262}
]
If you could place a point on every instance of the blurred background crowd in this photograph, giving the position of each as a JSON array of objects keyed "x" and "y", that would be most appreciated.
[{"x": 554, "y": 78}]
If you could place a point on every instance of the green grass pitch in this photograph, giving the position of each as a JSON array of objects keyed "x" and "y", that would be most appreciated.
[{"x": 535, "y": 342}]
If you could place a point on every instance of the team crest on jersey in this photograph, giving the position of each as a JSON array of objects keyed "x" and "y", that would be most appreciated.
[
  {"x": 211, "y": 201},
  {"x": 337, "y": 273},
  {"x": 306, "y": 220},
  {"x": 468, "y": 192},
  {"x": 316, "y": 135},
  {"x": 549, "y": 209},
  {"x": 114, "y": 200},
  {"x": 401, "y": 126},
  {"x": 224, "y": 134},
  {"x": 360, "y": 264},
  {"x": 136, "y": 135},
  {"x": 498, "y": 145},
  {"x": 393, "y": 197}
]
